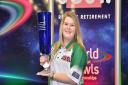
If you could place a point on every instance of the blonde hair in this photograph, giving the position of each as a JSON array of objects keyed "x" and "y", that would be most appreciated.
[{"x": 77, "y": 37}]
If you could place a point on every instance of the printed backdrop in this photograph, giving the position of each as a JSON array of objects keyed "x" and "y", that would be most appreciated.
[
  {"x": 19, "y": 48},
  {"x": 124, "y": 41}
]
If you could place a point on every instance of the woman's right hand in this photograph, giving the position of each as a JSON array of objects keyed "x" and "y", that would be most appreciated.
[{"x": 43, "y": 59}]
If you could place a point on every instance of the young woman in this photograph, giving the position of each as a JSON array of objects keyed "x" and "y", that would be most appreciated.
[{"x": 68, "y": 58}]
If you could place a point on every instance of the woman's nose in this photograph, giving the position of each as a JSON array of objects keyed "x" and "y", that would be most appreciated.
[{"x": 68, "y": 27}]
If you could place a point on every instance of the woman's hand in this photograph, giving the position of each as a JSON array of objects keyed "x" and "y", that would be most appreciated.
[
  {"x": 46, "y": 73},
  {"x": 43, "y": 59}
]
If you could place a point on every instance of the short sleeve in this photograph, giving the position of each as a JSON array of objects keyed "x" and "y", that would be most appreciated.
[{"x": 78, "y": 63}]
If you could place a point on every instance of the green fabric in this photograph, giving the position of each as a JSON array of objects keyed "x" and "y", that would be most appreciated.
[
  {"x": 49, "y": 81},
  {"x": 79, "y": 57},
  {"x": 69, "y": 44}
]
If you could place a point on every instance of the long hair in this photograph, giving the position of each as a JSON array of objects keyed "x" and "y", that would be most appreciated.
[{"x": 77, "y": 37}]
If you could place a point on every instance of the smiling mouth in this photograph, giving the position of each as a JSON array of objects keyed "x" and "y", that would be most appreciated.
[{"x": 68, "y": 32}]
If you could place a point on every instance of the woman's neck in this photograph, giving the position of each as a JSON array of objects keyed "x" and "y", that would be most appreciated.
[{"x": 66, "y": 42}]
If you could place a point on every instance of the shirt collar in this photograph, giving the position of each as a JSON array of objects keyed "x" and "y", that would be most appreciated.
[{"x": 69, "y": 44}]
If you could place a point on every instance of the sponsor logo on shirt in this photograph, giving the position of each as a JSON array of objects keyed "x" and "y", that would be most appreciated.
[
  {"x": 76, "y": 75},
  {"x": 66, "y": 58}
]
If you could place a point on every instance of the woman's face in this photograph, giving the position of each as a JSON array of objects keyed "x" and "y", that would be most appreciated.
[{"x": 68, "y": 28}]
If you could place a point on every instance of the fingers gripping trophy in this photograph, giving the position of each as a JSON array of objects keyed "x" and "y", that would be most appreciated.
[{"x": 44, "y": 29}]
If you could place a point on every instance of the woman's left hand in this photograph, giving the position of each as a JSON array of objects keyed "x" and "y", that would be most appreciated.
[
  {"x": 49, "y": 74},
  {"x": 43, "y": 73}
]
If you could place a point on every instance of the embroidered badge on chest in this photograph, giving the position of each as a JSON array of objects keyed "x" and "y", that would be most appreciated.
[
  {"x": 66, "y": 58},
  {"x": 76, "y": 75}
]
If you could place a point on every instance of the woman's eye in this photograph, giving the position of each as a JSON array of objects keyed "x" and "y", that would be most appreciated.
[
  {"x": 65, "y": 24},
  {"x": 72, "y": 25}
]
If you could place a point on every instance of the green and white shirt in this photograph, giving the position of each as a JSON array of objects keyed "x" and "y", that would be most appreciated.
[{"x": 72, "y": 62}]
